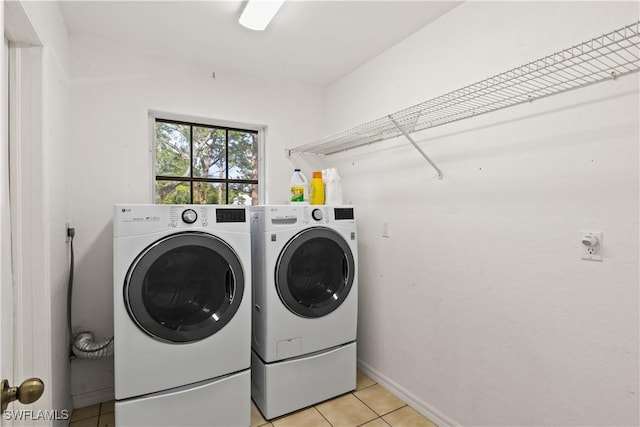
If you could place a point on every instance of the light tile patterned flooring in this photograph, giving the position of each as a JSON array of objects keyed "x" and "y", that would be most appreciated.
[
  {"x": 98, "y": 415},
  {"x": 369, "y": 405}
]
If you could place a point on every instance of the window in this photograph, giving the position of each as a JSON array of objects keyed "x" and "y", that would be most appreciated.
[{"x": 204, "y": 164}]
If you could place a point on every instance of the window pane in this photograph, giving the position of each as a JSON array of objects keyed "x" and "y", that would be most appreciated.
[
  {"x": 212, "y": 193},
  {"x": 200, "y": 152},
  {"x": 243, "y": 194},
  {"x": 173, "y": 192},
  {"x": 209, "y": 147},
  {"x": 172, "y": 149},
  {"x": 243, "y": 155}
]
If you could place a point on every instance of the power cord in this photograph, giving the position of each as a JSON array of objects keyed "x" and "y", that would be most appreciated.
[
  {"x": 83, "y": 345},
  {"x": 71, "y": 232}
]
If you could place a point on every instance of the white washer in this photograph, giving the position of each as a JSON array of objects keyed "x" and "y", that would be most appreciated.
[
  {"x": 182, "y": 315},
  {"x": 305, "y": 305}
]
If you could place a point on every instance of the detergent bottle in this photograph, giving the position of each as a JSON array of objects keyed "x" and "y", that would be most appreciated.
[
  {"x": 299, "y": 188},
  {"x": 316, "y": 190}
]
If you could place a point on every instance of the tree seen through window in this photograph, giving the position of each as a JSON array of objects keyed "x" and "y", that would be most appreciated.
[{"x": 202, "y": 164}]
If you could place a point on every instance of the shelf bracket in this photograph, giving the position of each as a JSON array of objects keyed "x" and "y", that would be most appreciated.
[{"x": 417, "y": 147}]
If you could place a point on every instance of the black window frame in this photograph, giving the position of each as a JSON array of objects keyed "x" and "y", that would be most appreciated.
[{"x": 191, "y": 179}]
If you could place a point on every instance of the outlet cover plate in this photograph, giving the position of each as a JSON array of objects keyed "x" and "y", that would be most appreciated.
[{"x": 592, "y": 253}]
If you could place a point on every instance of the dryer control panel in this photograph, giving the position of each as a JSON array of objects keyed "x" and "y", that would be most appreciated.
[
  {"x": 326, "y": 214},
  {"x": 280, "y": 217},
  {"x": 343, "y": 213}
]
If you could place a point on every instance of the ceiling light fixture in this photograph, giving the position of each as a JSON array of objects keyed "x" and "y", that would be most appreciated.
[{"x": 258, "y": 13}]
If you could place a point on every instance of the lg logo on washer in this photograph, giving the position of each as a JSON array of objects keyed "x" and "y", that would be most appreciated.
[{"x": 138, "y": 214}]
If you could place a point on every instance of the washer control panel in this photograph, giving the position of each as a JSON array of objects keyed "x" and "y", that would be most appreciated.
[
  {"x": 138, "y": 219},
  {"x": 189, "y": 216},
  {"x": 183, "y": 215},
  {"x": 315, "y": 215}
]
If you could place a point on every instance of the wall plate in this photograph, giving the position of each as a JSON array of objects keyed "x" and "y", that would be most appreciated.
[{"x": 591, "y": 251}]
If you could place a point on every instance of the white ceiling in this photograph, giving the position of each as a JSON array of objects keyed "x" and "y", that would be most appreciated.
[{"x": 311, "y": 41}]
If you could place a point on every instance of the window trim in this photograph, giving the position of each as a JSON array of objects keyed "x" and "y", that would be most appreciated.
[{"x": 154, "y": 115}]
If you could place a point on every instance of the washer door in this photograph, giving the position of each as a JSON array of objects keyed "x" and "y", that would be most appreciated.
[
  {"x": 184, "y": 287},
  {"x": 315, "y": 272}
]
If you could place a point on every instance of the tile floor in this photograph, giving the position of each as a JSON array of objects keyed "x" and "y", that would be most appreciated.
[
  {"x": 98, "y": 415},
  {"x": 369, "y": 405}
]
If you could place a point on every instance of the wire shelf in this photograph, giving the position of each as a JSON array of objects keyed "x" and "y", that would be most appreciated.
[{"x": 603, "y": 58}]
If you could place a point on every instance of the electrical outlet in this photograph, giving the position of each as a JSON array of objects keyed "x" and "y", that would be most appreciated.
[
  {"x": 71, "y": 232},
  {"x": 591, "y": 243}
]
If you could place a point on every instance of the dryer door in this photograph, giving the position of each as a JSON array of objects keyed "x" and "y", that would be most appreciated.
[
  {"x": 315, "y": 272},
  {"x": 184, "y": 287}
]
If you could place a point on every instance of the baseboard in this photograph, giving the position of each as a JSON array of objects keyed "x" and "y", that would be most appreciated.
[
  {"x": 419, "y": 405},
  {"x": 93, "y": 397}
]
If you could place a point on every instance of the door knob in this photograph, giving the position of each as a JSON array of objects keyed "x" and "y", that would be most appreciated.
[{"x": 29, "y": 391}]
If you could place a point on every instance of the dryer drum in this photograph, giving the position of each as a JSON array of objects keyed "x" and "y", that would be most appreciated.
[
  {"x": 314, "y": 272},
  {"x": 184, "y": 287}
]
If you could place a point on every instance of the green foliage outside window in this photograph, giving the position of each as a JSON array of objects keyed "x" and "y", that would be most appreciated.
[{"x": 203, "y": 164}]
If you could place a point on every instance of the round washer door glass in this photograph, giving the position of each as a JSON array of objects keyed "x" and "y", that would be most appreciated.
[
  {"x": 184, "y": 287},
  {"x": 315, "y": 272}
]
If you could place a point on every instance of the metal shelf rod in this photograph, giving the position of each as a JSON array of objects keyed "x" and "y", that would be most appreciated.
[{"x": 417, "y": 147}]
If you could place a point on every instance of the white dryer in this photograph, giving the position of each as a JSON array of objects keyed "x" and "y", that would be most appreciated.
[
  {"x": 305, "y": 305},
  {"x": 182, "y": 315}
]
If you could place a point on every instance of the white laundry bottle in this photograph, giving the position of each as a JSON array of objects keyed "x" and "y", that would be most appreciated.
[
  {"x": 299, "y": 188},
  {"x": 333, "y": 187}
]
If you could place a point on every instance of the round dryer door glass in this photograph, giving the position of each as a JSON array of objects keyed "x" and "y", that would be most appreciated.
[
  {"x": 315, "y": 272},
  {"x": 184, "y": 287}
]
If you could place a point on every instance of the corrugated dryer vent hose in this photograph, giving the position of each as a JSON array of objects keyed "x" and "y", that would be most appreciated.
[{"x": 86, "y": 347}]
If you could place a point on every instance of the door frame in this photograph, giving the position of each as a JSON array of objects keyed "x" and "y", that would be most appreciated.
[
  {"x": 30, "y": 242},
  {"x": 6, "y": 281}
]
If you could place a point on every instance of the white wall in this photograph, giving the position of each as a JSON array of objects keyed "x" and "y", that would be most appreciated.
[
  {"x": 113, "y": 88},
  {"x": 49, "y": 164},
  {"x": 478, "y": 309}
]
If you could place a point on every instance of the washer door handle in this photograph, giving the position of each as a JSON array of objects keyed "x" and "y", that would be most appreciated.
[
  {"x": 345, "y": 269},
  {"x": 229, "y": 284}
]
